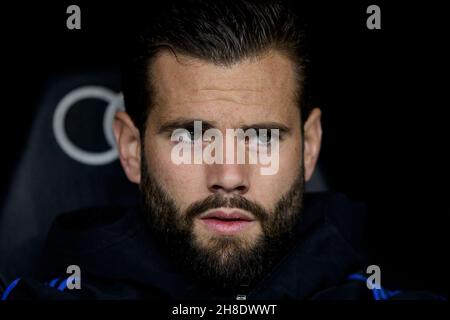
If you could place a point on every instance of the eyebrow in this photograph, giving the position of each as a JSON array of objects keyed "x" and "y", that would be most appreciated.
[
  {"x": 267, "y": 125},
  {"x": 188, "y": 123},
  {"x": 184, "y": 123}
]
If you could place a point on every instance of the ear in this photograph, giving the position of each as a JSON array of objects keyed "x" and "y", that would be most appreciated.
[
  {"x": 128, "y": 145},
  {"x": 312, "y": 141}
]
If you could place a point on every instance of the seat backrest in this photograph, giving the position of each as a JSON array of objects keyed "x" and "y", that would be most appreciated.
[{"x": 69, "y": 162}]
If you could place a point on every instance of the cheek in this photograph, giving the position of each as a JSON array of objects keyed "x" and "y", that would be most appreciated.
[
  {"x": 184, "y": 183},
  {"x": 269, "y": 189}
]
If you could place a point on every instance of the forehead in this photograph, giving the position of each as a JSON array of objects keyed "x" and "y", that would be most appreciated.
[{"x": 262, "y": 87}]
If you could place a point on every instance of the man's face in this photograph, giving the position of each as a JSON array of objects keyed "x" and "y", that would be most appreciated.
[{"x": 231, "y": 215}]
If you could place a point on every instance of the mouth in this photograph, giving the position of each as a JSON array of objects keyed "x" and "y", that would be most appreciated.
[{"x": 227, "y": 222}]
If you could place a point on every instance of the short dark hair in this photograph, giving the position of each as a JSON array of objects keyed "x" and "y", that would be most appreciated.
[{"x": 220, "y": 31}]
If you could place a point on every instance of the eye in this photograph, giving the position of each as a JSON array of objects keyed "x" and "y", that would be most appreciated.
[
  {"x": 187, "y": 136},
  {"x": 264, "y": 137},
  {"x": 267, "y": 137}
]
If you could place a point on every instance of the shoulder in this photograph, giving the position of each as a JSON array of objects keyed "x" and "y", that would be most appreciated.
[{"x": 357, "y": 287}]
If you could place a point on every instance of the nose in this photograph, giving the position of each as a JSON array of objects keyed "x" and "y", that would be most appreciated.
[{"x": 228, "y": 179}]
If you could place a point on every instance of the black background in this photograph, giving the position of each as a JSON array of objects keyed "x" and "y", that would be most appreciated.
[{"x": 381, "y": 92}]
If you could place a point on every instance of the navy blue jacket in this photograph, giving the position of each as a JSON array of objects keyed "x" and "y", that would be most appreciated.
[{"x": 119, "y": 259}]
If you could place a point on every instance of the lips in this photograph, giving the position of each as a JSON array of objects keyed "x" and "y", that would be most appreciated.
[{"x": 226, "y": 222}]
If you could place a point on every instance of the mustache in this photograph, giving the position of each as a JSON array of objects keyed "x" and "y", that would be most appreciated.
[{"x": 217, "y": 201}]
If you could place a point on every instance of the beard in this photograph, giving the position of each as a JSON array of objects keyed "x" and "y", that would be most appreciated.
[{"x": 223, "y": 262}]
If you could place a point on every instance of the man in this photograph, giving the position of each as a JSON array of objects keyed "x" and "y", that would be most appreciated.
[{"x": 213, "y": 229}]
